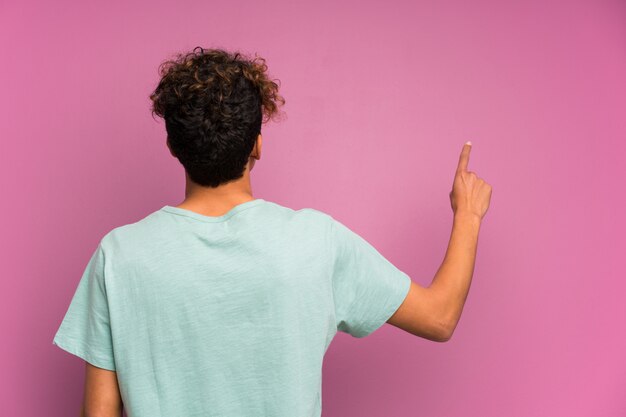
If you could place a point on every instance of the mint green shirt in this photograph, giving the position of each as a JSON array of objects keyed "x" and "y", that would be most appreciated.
[{"x": 226, "y": 316}]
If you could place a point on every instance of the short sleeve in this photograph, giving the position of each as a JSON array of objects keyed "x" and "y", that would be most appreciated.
[
  {"x": 85, "y": 330},
  {"x": 367, "y": 288}
]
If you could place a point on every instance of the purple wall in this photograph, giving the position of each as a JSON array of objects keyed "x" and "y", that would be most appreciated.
[{"x": 380, "y": 99}]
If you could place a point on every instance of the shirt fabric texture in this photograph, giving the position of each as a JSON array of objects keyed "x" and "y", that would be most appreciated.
[{"x": 226, "y": 315}]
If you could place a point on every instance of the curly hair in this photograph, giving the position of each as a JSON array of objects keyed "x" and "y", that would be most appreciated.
[{"x": 214, "y": 103}]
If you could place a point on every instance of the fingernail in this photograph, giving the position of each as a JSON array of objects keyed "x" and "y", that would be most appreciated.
[{"x": 469, "y": 142}]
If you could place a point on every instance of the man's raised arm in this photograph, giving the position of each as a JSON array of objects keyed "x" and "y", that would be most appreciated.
[{"x": 433, "y": 312}]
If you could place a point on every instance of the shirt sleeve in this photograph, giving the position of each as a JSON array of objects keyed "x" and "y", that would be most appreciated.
[
  {"x": 85, "y": 330},
  {"x": 367, "y": 288}
]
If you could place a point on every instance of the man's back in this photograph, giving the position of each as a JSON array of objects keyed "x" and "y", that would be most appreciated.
[{"x": 228, "y": 315}]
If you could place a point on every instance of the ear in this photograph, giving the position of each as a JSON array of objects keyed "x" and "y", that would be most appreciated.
[{"x": 256, "y": 152}]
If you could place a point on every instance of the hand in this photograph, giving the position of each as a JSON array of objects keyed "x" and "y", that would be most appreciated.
[{"x": 469, "y": 193}]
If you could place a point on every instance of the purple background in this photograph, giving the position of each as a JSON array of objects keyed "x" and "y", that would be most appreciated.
[{"x": 380, "y": 98}]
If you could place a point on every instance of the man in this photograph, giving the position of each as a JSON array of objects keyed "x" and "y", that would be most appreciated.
[{"x": 225, "y": 304}]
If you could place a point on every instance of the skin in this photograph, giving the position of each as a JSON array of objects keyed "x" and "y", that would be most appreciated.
[
  {"x": 430, "y": 312},
  {"x": 102, "y": 395},
  {"x": 433, "y": 312},
  {"x": 218, "y": 201}
]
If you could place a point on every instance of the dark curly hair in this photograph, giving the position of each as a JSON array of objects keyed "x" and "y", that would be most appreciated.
[{"x": 213, "y": 103}]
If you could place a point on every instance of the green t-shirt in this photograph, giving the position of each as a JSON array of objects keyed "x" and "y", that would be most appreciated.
[{"x": 226, "y": 315}]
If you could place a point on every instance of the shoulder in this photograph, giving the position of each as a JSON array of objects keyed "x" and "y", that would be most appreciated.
[
  {"x": 315, "y": 215},
  {"x": 131, "y": 233},
  {"x": 306, "y": 214}
]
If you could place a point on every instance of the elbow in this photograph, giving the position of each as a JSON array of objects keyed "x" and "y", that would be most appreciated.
[
  {"x": 443, "y": 337},
  {"x": 446, "y": 330},
  {"x": 445, "y": 314},
  {"x": 448, "y": 318}
]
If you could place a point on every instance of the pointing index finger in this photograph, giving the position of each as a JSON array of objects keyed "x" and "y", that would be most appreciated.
[{"x": 464, "y": 158}]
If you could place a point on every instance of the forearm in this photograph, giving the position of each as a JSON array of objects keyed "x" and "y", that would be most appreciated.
[{"x": 452, "y": 281}]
